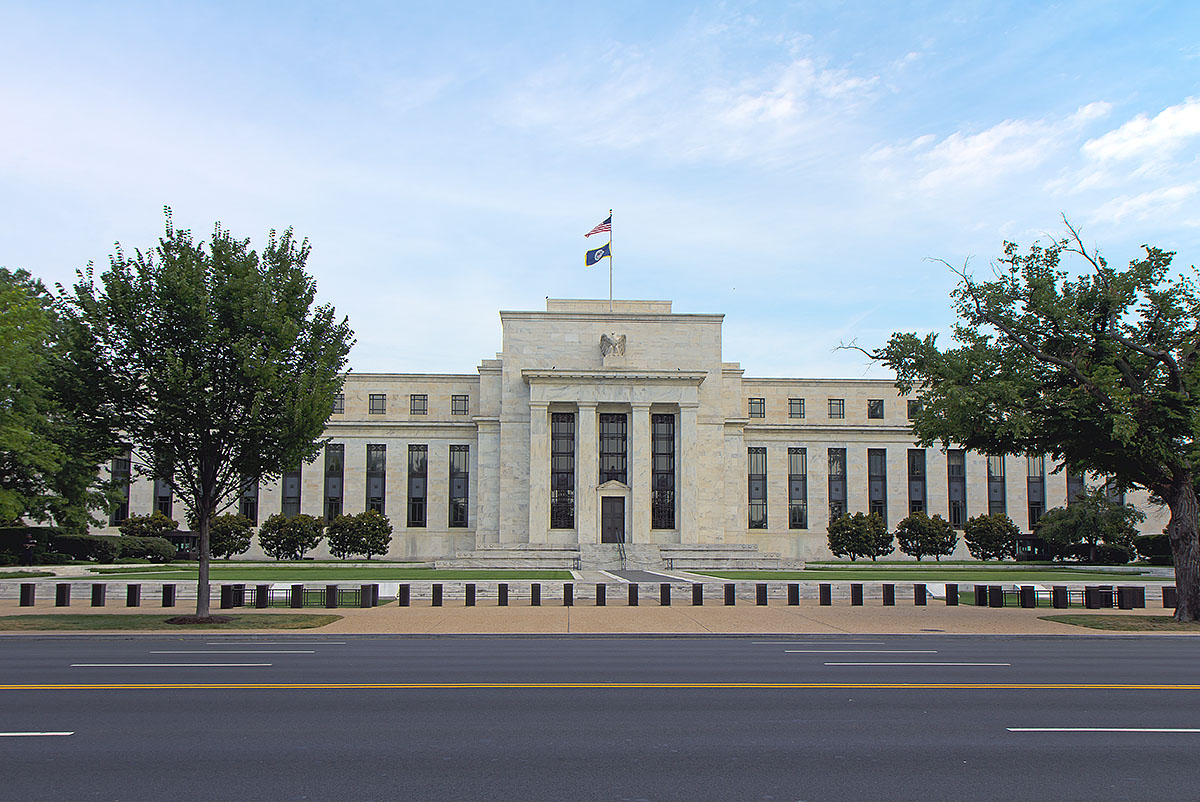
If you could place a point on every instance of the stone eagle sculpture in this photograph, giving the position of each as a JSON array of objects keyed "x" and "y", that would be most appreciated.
[{"x": 612, "y": 345}]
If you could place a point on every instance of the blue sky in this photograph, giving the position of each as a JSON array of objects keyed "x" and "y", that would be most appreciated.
[{"x": 791, "y": 165}]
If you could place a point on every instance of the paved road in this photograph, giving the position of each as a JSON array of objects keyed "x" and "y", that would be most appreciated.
[{"x": 641, "y": 719}]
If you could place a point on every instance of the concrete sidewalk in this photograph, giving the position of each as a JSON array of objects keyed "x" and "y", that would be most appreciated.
[{"x": 776, "y": 618}]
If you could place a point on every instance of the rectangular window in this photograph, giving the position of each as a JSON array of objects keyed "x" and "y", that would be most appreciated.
[
  {"x": 418, "y": 404},
  {"x": 335, "y": 463},
  {"x": 1036, "y": 471},
  {"x": 997, "y": 499},
  {"x": 916, "y": 480},
  {"x": 290, "y": 493},
  {"x": 875, "y": 408},
  {"x": 248, "y": 503},
  {"x": 562, "y": 470},
  {"x": 877, "y": 482},
  {"x": 460, "y": 404},
  {"x": 1112, "y": 492},
  {"x": 837, "y": 483},
  {"x": 377, "y": 403},
  {"x": 418, "y": 470},
  {"x": 612, "y": 447},
  {"x": 1075, "y": 487},
  {"x": 795, "y": 407},
  {"x": 837, "y": 408},
  {"x": 162, "y": 497},
  {"x": 758, "y": 407},
  {"x": 122, "y": 473},
  {"x": 662, "y": 479},
  {"x": 460, "y": 458},
  {"x": 797, "y": 488},
  {"x": 956, "y": 476},
  {"x": 339, "y": 404},
  {"x": 758, "y": 487},
  {"x": 376, "y": 476},
  {"x": 914, "y": 409}
]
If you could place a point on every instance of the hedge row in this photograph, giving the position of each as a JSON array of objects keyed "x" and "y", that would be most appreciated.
[{"x": 52, "y": 546}]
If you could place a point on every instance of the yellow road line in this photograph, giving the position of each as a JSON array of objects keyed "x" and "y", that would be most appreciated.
[{"x": 455, "y": 686}]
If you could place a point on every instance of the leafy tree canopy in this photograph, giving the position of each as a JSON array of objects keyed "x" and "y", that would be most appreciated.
[
  {"x": 288, "y": 538},
  {"x": 859, "y": 535},
  {"x": 918, "y": 535},
  {"x": 1061, "y": 353},
  {"x": 991, "y": 537},
  {"x": 1090, "y": 519}
]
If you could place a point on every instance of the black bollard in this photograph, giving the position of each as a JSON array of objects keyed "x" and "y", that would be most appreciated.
[
  {"x": 601, "y": 594},
  {"x": 633, "y": 594},
  {"x": 889, "y": 595},
  {"x": 502, "y": 595},
  {"x": 226, "y": 596},
  {"x": 27, "y": 591},
  {"x": 951, "y": 595},
  {"x": 1124, "y": 597},
  {"x": 239, "y": 595},
  {"x": 981, "y": 596},
  {"x": 730, "y": 594},
  {"x": 374, "y": 594},
  {"x": 535, "y": 595},
  {"x": 856, "y": 594},
  {"x": 133, "y": 595},
  {"x": 331, "y": 597},
  {"x": 919, "y": 598},
  {"x": 995, "y": 596},
  {"x": 664, "y": 594},
  {"x": 1091, "y": 597},
  {"x": 437, "y": 594},
  {"x": 366, "y": 599},
  {"x": 825, "y": 591},
  {"x": 1028, "y": 596},
  {"x": 296, "y": 596},
  {"x": 469, "y": 600},
  {"x": 568, "y": 594},
  {"x": 1059, "y": 597},
  {"x": 793, "y": 594},
  {"x": 99, "y": 593},
  {"x": 62, "y": 594},
  {"x": 760, "y": 594},
  {"x": 262, "y": 596},
  {"x": 1170, "y": 597},
  {"x": 404, "y": 594},
  {"x": 168, "y": 595},
  {"x": 697, "y": 595}
]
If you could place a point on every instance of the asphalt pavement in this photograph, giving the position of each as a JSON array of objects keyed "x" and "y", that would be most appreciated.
[{"x": 641, "y": 718}]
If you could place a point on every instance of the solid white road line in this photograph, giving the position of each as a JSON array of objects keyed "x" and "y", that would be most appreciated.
[
  {"x": 918, "y": 664},
  {"x": 1102, "y": 729},
  {"x": 239, "y": 651},
  {"x": 277, "y": 643},
  {"x": 860, "y": 651},
  {"x": 818, "y": 643},
  {"x": 31, "y": 734},
  {"x": 165, "y": 665}
]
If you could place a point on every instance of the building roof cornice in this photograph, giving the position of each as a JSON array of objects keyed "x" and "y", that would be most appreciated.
[{"x": 604, "y": 376}]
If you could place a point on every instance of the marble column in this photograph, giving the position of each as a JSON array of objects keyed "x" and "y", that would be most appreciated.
[
  {"x": 687, "y": 477},
  {"x": 639, "y": 475},
  {"x": 539, "y": 471},
  {"x": 587, "y": 471}
]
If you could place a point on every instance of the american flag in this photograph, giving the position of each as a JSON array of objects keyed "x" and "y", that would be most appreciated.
[{"x": 605, "y": 226}]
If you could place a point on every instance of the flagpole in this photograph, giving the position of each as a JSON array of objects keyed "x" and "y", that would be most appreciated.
[{"x": 610, "y": 261}]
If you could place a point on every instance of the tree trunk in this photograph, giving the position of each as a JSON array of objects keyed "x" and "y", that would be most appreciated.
[
  {"x": 202, "y": 608},
  {"x": 1180, "y": 496}
]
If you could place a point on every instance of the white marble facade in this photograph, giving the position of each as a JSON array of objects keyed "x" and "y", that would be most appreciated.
[{"x": 639, "y": 360}]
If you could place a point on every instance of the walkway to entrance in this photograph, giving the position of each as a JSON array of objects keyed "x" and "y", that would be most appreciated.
[{"x": 642, "y": 576}]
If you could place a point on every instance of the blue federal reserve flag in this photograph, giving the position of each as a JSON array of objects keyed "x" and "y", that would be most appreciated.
[{"x": 597, "y": 254}]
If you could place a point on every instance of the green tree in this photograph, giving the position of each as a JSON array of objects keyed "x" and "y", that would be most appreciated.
[
  {"x": 343, "y": 536},
  {"x": 991, "y": 537},
  {"x": 57, "y": 416},
  {"x": 1088, "y": 521},
  {"x": 919, "y": 535},
  {"x": 859, "y": 535},
  {"x": 225, "y": 369},
  {"x": 376, "y": 532},
  {"x": 1099, "y": 368},
  {"x": 153, "y": 525},
  {"x": 229, "y": 535},
  {"x": 287, "y": 538}
]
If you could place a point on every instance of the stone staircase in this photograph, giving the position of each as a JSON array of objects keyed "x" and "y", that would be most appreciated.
[
  {"x": 607, "y": 557},
  {"x": 727, "y": 556},
  {"x": 544, "y": 556}
]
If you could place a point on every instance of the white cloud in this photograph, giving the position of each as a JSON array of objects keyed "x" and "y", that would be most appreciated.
[
  {"x": 1149, "y": 138},
  {"x": 1154, "y": 203}
]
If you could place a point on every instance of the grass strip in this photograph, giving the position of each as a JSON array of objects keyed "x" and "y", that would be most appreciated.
[
  {"x": 1126, "y": 623},
  {"x": 335, "y": 574},
  {"x": 101, "y": 622},
  {"x": 24, "y": 574},
  {"x": 980, "y": 576}
]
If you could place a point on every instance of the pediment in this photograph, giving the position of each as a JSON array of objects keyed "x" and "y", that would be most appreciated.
[{"x": 613, "y": 484}]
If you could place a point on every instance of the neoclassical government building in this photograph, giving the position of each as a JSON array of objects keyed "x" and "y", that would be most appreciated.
[{"x": 592, "y": 428}]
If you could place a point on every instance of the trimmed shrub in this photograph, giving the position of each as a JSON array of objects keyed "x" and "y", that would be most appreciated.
[
  {"x": 367, "y": 533},
  {"x": 1155, "y": 548},
  {"x": 376, "y": 533},
  {"x": 152, "y": 525},
  {"x": 229, "y": 535},
  {"x": 991, "y": 537},
  {"x": 101, "y": 548},
  {"x": 1112, "y": 554},
  {"x": 155, "y": 549},
  {"x": 343, "y": 536},
  {"x": 288, "y": 538},
  {"x": 919, "y": 535},
  {"x": 859, "y": 535}
]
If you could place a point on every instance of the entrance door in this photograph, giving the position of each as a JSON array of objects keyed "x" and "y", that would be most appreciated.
[{"x": 612, "y": 519}]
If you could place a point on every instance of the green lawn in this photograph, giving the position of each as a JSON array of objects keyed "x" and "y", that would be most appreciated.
[
  {"x": 929, "y": 573},
  {"x": 1126, "y": 623},
  {"x": 24, "y": 574},
  {"x": 92, "y": 621},
  {"x": 330, "y": 573}
]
